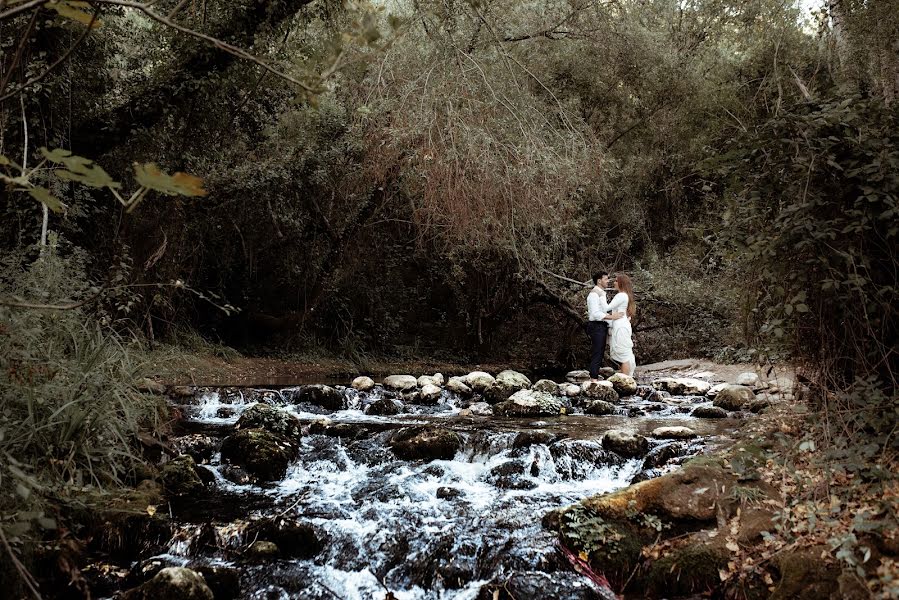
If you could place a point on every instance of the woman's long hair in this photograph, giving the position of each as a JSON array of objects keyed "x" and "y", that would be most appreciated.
[{"x": 625, "y": 285}]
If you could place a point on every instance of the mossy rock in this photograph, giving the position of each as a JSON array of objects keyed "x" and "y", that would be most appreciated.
[
  {"x": 423, "y": 442},
  {"x": 693, "y": 493},
  {"x": 273, "y": 420},
  {"x": 264, "y": 455},
  {"x": 691, "y": 568},
  {"x": 321, "y": 395},
  {"x": 172, "y": 583},
  {"x": 179, "y": 477},
  {"x": 804, "y": 574}
]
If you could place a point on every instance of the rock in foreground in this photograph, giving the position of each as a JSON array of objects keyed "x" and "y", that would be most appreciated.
[
  {"x": 423, "y": 442},
  {"x": 172, "y": 583}
]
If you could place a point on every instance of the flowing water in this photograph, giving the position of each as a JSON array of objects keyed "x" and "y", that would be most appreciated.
[{"x": 355, "y": 522}]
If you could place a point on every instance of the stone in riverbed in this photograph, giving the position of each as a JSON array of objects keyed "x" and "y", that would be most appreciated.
[
  {"x": 680, "y": 386},
  {"x": 478, "y": 380},
  {"x": 198, "y": 446},
  {"x": 457, "y": 386},
  {"x": 363, "y": 383},
  {"x": 449, "y": 493},
  {"x": 514, "y": 379},
  {"x": 429, "y": 394},
  {"x": 733, "y": 397},
  {"x": 673, "y": 433},
  {"x": 400, "y": 383},
  {"x": 292, "y": 538},
  {"x": 172, "y": 583},
  {"x": 425, "y": 442},
  {"x": 537, "y": 585},
  {"x": 273, "y": 420},
  {"x": 713, "y": 391},
  {"x": 626, "y": 443},
  {"x": 150, "y": 386},
  {"x": 435, "y": 379},
  {"x": 708, "y": 411},
  {"x": 498, "y": 391},
  {"x": 599, "y": 407},
  {"x": 599, "y": 390},
  {"x": 577, "y": 376},
  {"x": 569, "y": 389},
  {"x": 264, "y": 455},
  {"x": 546, "y": 385},
  {"x": 179, "y": 477},
  {"x": 384, "y": 407},
  {"x": 261, "y": 551},
  {"x": 321, "y": 395},
  {"x": 528, "y": 403},
  {"x": 661, "y": 455},
  {"x": 748, "y": 379},
  {"x": 623, "y": 384},
  {"x": 235, "y": 474},
  {"x": 480, "y": 409}
]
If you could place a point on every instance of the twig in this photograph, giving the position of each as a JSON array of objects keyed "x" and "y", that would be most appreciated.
[
  {"x": 568, "y": 279},
  {"x": 222, "y": 45},
  {"x": 56, "y": 63},
  {"x": 21, "y": 8},
  {"x": 29, "y": 580},
  {"x": 18, "y": 55}
]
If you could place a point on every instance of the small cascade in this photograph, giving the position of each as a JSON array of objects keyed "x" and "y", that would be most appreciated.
[{"x": 351, "y": 519}]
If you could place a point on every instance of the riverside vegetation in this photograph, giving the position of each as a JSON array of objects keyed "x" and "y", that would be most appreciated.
[{"x": 373, "y": 183}]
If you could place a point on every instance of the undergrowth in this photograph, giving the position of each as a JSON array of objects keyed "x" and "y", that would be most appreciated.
[{"x": 69, "y": 411}]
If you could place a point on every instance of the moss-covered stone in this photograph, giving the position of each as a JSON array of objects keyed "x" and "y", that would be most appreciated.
[
  {"x": 691, "y": 568},
  {"x": 172, "y": 583},
  {"x": 273, "y": 420},
  {"x": 423, "y": 442},
  {"x": 264, "y": 455},
  {"x": 179, "y": 477}
]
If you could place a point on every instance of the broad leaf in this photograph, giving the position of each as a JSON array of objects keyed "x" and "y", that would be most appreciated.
[
  {"x": 180, "y": 184},
  {"x": 74, "y": 10},
  {"x": 43, "y": 195},
  {"x": 80, "y": 169}
]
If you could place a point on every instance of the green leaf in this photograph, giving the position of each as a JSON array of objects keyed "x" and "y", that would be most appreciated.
[
  {"x": 43, "y": 195},
  {"x": 72, "y": 9},
  {"x": 80, "y": 169},
  {"x": 180, "y": 184}
]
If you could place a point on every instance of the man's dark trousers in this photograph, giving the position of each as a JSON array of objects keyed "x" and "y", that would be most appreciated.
[{"x": 598, "y": 332}]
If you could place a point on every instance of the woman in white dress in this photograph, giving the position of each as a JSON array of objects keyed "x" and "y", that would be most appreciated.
[{"x": 621, "y": 344}]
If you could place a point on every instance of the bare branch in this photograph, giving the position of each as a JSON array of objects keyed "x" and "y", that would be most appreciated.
[
  {"x": 222, "y": 45},
  {"x": 18, "y": 55},
  {"x": 56, "y": 63}
]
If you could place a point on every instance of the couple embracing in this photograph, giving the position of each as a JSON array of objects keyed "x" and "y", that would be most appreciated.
[{"x": 611, "y": 320}]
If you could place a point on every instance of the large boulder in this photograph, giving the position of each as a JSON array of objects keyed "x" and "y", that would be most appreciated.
[
  {"x": 321, "y": 395},
  {"x": 707, "y": 411},
  {"x": 172, "y": 583},
  {"x": 626, "y": 443},
  {"x": 363, "y": 383},
  {"x": 733, "y": 397},
  {"x": 599, "y": 390},
  {"x": 478, "y": 380},
  {"x": 264, "y": 455},
  {"x": 458, "y": 386},
  {"x": 623, "y": 384},
  {"x": 548, "y": 386},
  {"x": 425, "y": 442},
  {"x": 579, "y": 376},
  {"x": 599, "y": 407},
  {"x": 400, "y": 383},
  {"x": 179, "y": 477},
  {"x": 430, "y": 393},
  {"x": 528, "y": 403},
  {"x": 514, "y": 378},
  {"x": 273, "y": 420}
]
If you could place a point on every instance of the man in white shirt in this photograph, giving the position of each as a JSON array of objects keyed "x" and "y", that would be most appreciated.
[{"x": 598, "y": 316}]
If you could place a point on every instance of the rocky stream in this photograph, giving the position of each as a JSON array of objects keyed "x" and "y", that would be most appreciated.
[{"x": 412, "y": 488}]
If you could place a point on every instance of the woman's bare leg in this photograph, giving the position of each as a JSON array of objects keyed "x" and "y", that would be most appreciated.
[{"x": 627, "y": 369}]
